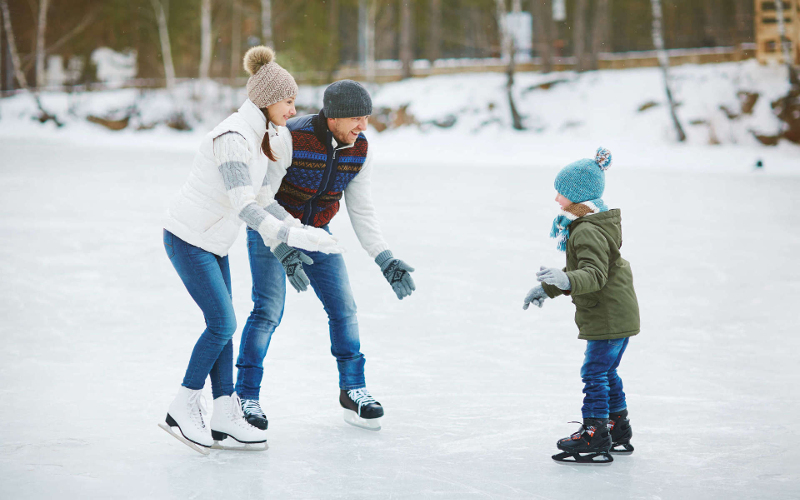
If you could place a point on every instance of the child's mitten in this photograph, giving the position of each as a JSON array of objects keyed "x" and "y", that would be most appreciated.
[
  {"x": 536, "y": 295},
  {"x": 554, "y": 276}
]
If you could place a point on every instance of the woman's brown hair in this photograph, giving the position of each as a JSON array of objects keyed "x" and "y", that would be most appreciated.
[{"x": 265, "y": 141}]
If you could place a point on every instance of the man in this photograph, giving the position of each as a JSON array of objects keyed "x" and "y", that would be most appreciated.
[{"x": 328, "y": 156}]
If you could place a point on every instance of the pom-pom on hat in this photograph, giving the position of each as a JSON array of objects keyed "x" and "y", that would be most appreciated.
[
  {"x": 268, "y": 82},
  {"x": 584, "y": 179}
]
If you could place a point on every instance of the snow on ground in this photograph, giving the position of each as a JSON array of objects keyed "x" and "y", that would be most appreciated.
[{"x": 98, "y": 329}]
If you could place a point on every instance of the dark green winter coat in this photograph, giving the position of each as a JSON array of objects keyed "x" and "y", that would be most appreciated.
[{"x": 602, "y": 281}]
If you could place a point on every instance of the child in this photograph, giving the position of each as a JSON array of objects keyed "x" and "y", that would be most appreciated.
[{"x": 600, "y": 283}]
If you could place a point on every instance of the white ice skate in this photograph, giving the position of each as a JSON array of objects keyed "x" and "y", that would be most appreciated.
[
  {"x": 360, "y": 409},
  {"x": 185, "y": 420},
  {"x": 231, "y": 431}
]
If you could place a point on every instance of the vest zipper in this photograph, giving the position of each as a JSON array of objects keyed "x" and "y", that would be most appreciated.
[{"x": 326, "y": 177}]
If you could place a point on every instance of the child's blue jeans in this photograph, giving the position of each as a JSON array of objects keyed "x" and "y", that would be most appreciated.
[{"x": 602, "y": 385}]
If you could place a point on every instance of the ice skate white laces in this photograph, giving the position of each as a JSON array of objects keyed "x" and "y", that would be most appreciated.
[
  {"x": 238, "y": 414},
  {"x": 197, "y": 408},
  {"x": 361, "y": 397},
  {"x": 252, "y": 407}
]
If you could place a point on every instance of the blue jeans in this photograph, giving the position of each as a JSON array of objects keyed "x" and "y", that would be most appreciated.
[
  {"x": 328, "y": 277},
  {"x": 207, "y": 277},
  {"x": 602, "y": 386}
]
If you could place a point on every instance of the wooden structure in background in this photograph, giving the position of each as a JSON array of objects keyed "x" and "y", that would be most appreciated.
[{"x": 768, "y": 39}]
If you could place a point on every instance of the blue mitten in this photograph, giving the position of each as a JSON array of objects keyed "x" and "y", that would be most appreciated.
[
  {"x": 535, "y": 296},
  {"x": 555, "y": 277},
  {"x": 292, "y": 261},
  {"x": 396, "y": 273}
]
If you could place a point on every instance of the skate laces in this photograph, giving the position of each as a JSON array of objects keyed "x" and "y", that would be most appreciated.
[
  {"x": 238, "y": 413},
  {"x": 197, "y": 408},
  {"x": 252, "y": 407},
  {"x": 361, "y": 397}
]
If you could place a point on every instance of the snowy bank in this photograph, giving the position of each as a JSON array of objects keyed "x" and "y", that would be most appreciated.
[{"x": 458, "y": 119}]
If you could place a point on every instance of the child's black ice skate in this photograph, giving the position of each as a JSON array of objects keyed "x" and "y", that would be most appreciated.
[
  {"x": 361, "y": 409},
  {"x": 588, "y": 446},
  {"x": 621, "y": 433}
]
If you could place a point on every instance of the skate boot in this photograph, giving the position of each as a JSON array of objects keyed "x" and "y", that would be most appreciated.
[
  {"x": 185, "y": 420},
  {"x": 253, "y": 413},
  {"x": 361, "y": 409},
  {"x": 589, "y": 445},
  {"x": 621, "y": 432},
  {"x": 228, "y": 421}
]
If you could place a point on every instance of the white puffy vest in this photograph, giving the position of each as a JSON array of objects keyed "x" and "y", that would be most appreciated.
[{"x": 201, "y": 214}]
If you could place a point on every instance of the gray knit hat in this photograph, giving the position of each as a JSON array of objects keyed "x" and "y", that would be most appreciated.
[
  {"x": 346, "y": 99},
  {"x": 268, "y": 82}
]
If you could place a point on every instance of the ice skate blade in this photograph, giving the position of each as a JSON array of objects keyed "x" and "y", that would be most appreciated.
[
  {"x": 622, "y": 449},
  {"x": 371, "y": 424},
  {"x": 599, "y": 458},
  {"x": 231, "y": 444},
  {"x": 177, "y": 435}
]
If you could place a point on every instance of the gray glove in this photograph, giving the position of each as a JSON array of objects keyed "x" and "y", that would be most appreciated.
[
  {"x": 292, "y": 261},
  {"x": 555, "y": 277},
  {"x": 396, "y": 273},
  {"x": 535, "y": 296}
]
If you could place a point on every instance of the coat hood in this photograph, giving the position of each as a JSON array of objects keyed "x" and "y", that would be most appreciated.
[{"x": 609, "y": 222}]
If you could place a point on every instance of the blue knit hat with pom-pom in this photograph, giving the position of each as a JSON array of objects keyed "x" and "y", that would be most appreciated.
[{"x": 584, "y": 179}]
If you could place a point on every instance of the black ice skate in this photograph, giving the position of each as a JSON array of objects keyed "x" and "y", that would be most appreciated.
[
  {"x": 361, "y": 409},
  {"x": 621, "y": 433},
  {"x": 253, "y": 413},
  {"x": 589, "y": 445}
]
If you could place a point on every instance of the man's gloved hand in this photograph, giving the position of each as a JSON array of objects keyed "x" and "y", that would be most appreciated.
[
  {"x": 292, "y": 261},
  {"x": 535, "y": 296},
  {"x": 555, "y": 277},
  {"x": 396, "y": 273}
]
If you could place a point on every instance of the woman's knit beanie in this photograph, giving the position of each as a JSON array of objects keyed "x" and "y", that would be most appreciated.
[
  {"x": 584, "y": 179},
  {"x": 269, "y": 82}
]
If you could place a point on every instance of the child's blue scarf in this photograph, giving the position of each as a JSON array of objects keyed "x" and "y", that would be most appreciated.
[{"x": 560, "y": 229}]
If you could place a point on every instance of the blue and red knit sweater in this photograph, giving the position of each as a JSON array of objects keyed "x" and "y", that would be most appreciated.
[{"x": 316, "y": 179}]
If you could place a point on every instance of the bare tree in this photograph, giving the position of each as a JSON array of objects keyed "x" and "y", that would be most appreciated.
[
  {"x": 163, "y": 35},
  {"x": 435, "y": 31},
  {"x": 266, "y": 22},
  {"x": 502, "y": 28},
  {"x": 406, "y": 51},
  {"x": 367, "y": 12},
  {"x": 41, "y": 28},
  {"x": 236, "y": 40},
  {"x": 543, "y": 32},
  {"x": 579, "y": 36},
  {"x": 205, "y": 38},
  {"x": 663, "y": 61},
  {"x": 332, "y": 53},
  {"x": 599, "y": 31},
  {"x": 507, "y": 43},
  {"x": 20, "y": 75}
]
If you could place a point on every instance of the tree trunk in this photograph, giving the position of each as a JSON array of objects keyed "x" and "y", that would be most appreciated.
[
  {"x": 786, "y": 44},
  {"x": 163, "y": 35},
  {"x": 205, "y": 38},
  {"x": 406, "y": 51},
  {"x": 505, "y": 39},
  {"x": 332, "y": 53},
  {"x": 266, "y": 22},
  {"x": 41, "y": 28},
  {"x": 23, "y": 82},
  {"x": 599, "y": 32},
  {"x": 236, "y": 40},
  {"x": 663, "y": 60},
  {"x": 579, "y": 36},
  {"x": 543, "y": 34},
  {"x": 435, "y": 31},
  {"x": 367, "y": 10}
]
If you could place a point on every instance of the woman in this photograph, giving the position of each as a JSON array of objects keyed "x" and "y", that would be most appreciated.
[{"x": 228, "y": 185}]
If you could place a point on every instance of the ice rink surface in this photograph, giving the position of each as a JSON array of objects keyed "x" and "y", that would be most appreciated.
[{"x": 97, "y": 330}]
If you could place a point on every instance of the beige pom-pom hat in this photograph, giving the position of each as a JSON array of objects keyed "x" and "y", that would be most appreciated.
[{"x": 268, "y": 82}]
